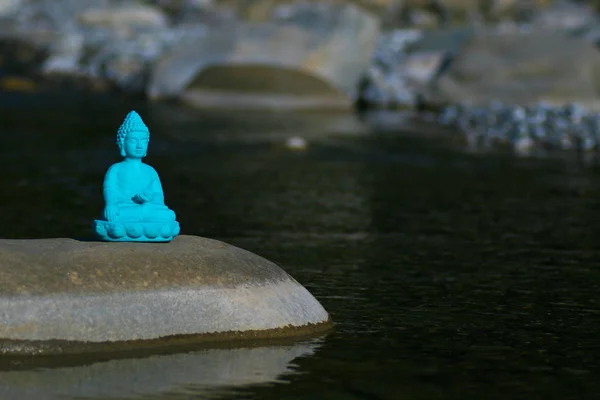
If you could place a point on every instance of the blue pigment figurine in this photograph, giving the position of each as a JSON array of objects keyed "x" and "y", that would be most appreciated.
[{"x": 135, "y": 209}]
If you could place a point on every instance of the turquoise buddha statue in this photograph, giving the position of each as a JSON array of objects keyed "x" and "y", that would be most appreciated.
[{"x": 134, "y": 202}]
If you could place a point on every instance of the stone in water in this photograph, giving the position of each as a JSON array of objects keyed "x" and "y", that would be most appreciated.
[{"x": 135, "y": 209}]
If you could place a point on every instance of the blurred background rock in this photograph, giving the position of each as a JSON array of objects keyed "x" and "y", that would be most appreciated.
[{"x": 307, "y": 54}]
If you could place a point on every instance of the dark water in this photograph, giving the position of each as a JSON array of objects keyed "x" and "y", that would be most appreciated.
[{"x": 450, "y": 275}]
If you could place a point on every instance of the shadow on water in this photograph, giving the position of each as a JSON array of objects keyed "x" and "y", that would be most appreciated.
[{"x": 450, "y": 275}]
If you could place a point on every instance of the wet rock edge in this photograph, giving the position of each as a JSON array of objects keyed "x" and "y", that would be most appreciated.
[{"x": 11, "y": 348}]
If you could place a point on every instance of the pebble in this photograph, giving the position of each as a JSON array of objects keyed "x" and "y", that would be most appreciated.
[
  {"x": 525, "y": 128},
  {"x": 296, "y": 143},
  {"x": 385, "y": 84}
]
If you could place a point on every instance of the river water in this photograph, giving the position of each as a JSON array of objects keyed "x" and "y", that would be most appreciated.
[{"x": 449, "y": 274}]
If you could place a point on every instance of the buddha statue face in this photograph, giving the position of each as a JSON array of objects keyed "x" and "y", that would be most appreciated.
[{"x": 135, "y": 144}]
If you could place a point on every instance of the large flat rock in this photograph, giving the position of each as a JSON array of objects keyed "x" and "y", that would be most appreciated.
[{"x": 85, "y": 293}]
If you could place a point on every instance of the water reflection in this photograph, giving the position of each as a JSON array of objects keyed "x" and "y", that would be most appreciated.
[{"x": 207, "y": 372}]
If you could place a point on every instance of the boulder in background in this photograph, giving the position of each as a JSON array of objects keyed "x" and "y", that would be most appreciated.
[{"x": 306, "y": 57}]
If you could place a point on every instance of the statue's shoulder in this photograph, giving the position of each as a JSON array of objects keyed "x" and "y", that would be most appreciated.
[
  {"x": 115, "y": 168},
  {"x": 149, "y": 170}
]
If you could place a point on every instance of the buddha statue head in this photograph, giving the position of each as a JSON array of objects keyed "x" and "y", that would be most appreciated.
[{"x": 133, "y": 137}]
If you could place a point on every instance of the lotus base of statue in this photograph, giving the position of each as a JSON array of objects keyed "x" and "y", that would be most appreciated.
[{"x": 136, "y": 231}]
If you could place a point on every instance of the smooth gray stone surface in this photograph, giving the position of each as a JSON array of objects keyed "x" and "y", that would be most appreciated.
[{"x": 70, "y": 290}]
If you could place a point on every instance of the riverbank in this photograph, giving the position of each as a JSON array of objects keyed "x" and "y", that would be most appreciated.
[{"x": 383, "y": 56}]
